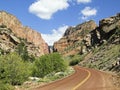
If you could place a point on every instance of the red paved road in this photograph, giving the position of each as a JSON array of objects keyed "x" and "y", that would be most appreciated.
[{"x": 82, "y": 79}]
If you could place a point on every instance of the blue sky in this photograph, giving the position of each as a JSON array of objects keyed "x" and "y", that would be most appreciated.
[{"x": 52, "y": 17}]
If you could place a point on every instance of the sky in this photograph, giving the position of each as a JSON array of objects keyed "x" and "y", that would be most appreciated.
[{"x": 52, "y": 17}]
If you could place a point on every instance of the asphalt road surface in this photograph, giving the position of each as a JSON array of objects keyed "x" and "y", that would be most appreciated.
[{"x": 82, "y": 79}]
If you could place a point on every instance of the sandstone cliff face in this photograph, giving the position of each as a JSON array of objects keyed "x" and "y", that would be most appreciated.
[
  {"x": 83, "y": 37},
  {"x": 9, "y": 42},
  {"x": 24, "y": 32},
  {"x": 75, "y": 39}
]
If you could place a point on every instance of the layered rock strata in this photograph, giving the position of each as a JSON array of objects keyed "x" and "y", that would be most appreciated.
[{"x": 12, "y": 23}]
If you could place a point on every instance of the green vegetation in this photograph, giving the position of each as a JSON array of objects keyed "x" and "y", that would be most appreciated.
[
  {"x": 13, "y": 70},
  {"x": 17, "y": 67},
  {"x": 3, "y": 26},
  {"x": 5, "y": 86},
  {"x": 56, "y": 75},
  {"x": 104, "y": 57},
  {"x": 1, "y": 51},
  {"x": 47, "y": 64},
  {"x": 47, "y": 78},
  {"x": 74, "y": 59},
  {"x": 48, "y": 68},
  {"x": 22, "y": 51},
  {"x": 74, "y": 62}
]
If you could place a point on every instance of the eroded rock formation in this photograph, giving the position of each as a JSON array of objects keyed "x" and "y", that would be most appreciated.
[
  {"x": 76, "y": 39},
  {"x": 13, "y": 24},
  {"x": 83, "y": 37}
]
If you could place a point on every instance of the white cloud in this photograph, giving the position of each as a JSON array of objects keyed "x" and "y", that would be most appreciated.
[
  {"x": 88, "y": 11},
  {"x": 83, "y": 1},
  {"x": 55, "y": 36},
  {"x": 46, "y": 8}
]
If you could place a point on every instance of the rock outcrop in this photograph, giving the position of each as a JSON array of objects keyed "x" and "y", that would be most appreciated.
[
  {"x": 76, "y": 39},
  {"x": 84, "y": 37},
  {"x": 12, "y": 23},
  {"x": 108, "y": 26},
  {"x": 9, "y": 42},
  {"x": 110, "y": 23}
]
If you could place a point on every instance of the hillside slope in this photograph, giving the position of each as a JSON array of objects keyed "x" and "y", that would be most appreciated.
[
  {"x": 9, "y": 42},
  {"x": 100, "y": 45},
  {"x": 12, "y": 23},
  {"x": 83, "y": 37}
]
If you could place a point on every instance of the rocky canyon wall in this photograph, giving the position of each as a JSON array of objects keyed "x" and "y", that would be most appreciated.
[
  {"x": 83, "y": 37},
  {"x": 12, "y": 23}
]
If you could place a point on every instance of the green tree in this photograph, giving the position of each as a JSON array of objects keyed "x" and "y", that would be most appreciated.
[
  {"x": 22, "y": 51},
  {"x": 47, "y": 64},
  {"x": 57, "y": 62},
  {"x": 81, "y": 47},
  {"x": 12, "y": 69},
  {"x": 4, "y": 86},
  {"x": 1, "y": 51}
]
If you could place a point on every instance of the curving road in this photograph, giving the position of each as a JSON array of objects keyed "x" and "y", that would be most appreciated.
[{"x": 82, "y": 79}]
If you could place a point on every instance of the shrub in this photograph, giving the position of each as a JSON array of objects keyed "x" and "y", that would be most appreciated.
[
  {"x": 3, "y": 26},
  {"x": 22, "y": 51},
  {"x": 74, "y": 62},
  {"x": 5, "y": 86},
  {"x": 1, "y": 51},
  {"x": 12, "y": 69},
  {"x": 47, "y": 64},
  {"x": 76, "y": 59}
]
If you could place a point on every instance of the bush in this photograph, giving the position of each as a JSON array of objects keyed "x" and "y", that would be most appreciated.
[
  {"x": 76, "y": 59},
  {"x": 74, "y": 62},
  {"x": 47, "y": 64},
  {"x": 22, "y": 51},
  {"x": 3, "y": 26},
  {"x": 1, "y": 51},
  {"x": 12, "y": 69},
  {"x": 5, "y": 86}
]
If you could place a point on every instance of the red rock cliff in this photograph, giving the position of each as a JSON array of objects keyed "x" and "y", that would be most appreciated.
[
  {"x": 71, "y": 42},
  {"x": 86, "y": 36},
  {"x": 24, "y": 32}
]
